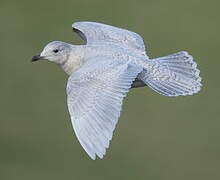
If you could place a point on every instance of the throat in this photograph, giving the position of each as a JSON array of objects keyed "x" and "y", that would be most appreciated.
[
  {"x": 71, "y": 66},
  {"x": 74, "y": 60}
]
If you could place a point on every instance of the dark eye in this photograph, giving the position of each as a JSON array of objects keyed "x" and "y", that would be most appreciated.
[{"x": 55, "y": 50}]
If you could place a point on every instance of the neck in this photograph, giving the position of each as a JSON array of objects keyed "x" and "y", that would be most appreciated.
[{"x": 74, "y": 60}]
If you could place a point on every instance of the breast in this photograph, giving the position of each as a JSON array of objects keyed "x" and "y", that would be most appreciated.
[{"x": 73, "y": 63}]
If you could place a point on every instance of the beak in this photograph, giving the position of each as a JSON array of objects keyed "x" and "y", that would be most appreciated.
[{"x": 36, "y": 58}]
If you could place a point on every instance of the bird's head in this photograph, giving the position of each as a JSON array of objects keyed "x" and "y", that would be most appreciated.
[{"x": 56, "y": 51}]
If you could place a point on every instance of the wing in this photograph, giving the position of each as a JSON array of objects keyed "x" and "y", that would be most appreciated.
[
  {"x": 94, "y": 33},
  {"x": 94, "y": 97}
]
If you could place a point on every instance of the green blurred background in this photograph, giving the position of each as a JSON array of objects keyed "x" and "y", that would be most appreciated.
[{"x": 157, "y": 138}]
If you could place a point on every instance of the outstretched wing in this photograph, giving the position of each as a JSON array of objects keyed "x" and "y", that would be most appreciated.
[
  {"x": 94, "y": 33},
  {"x": 94, "y": 97}
]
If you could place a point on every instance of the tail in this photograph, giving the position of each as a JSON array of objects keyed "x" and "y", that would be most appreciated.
[{"x": 173, "y": 75}]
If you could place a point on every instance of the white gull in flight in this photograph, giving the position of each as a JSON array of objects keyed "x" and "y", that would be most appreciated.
[{"x": 102, "y": 72}]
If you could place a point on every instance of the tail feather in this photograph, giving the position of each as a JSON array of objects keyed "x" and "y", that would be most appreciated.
[{"x": 173, "y": 75}]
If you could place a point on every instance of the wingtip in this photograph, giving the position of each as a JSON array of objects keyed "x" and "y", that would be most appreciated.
[{"x": 92, "y": 156}]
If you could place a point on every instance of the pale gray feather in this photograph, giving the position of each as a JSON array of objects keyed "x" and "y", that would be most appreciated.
[
  {"x": 173, "y": 75},
  {"x": 96, "y": 33},
  {"x": 94, "y": 95}
]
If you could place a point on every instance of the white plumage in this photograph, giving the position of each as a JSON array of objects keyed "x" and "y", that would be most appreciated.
[
  {"x": 102, "y": 72},
  {"x": 95, "y": 101}
]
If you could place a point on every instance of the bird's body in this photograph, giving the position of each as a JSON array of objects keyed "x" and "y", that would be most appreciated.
[
  {"x": 81, "y": 53},
  {"x": 102, "y": 72}
]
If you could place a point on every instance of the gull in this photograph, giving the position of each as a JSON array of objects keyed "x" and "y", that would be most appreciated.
[{"x": 102, "y": 72}]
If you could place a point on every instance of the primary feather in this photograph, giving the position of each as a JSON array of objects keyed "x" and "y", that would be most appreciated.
[{"x": 95, "y": 102}]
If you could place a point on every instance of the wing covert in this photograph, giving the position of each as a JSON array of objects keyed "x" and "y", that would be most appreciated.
[{"x": 94, "y": 33}]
